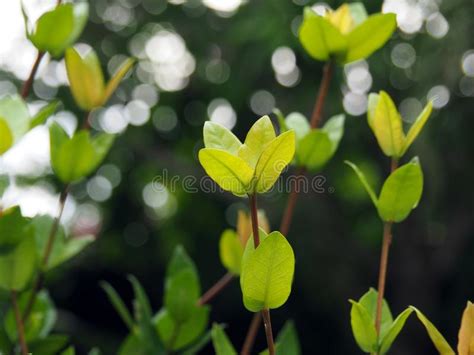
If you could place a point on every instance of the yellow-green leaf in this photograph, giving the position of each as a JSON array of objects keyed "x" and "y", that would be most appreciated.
[
  {"x": 267, "y": 273},
  {"x": 14, "y": 112},
  {"x": 222, "y": 344},
  {"x": 260, "y": 134},
  {"x": 369, "y": 36},
  {"x": 417, "y": 126},
  {"x": 363, "y": 328},
  {"x": 320, "y": 38},
  {"x": 6, "y": 137},
  {"x": 342, "y": 19},
  {"x": 314, "y": 150},
  {"x": 85, "y": 78},
  {"x": 386, "y": 123},
  {"x": 401, "y": 192},
  {"x": 117, "y": 78},
  {"x": 466, "y": 331},
  {"x": 231, "y": 251},
  {"x": 231, "y": 173},
  {"x": 219, "y": 137},
  {"x": 364, "y": 182},
  {"x": 438, "y": 340},
  {"x": 394, "y": 330},
  {"x": 276, "y": 156}
]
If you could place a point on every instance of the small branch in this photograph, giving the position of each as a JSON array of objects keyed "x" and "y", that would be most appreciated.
[
  {"x": 268, "y": 331},
  {"x": 29, "y": 82},
  {"x": 38, "y": 284},
  {"x": 87, "y": 118},
  {"x": 19, "y": 324},
  {"x": 254, "y": 214},
  {"x": 209, "y": 295},
  {"x": 387, "y": 240},
  {"x": 251, "y": 334},
  {"x": 291, "y": 204},
  {"x": 322, "y": 93}
]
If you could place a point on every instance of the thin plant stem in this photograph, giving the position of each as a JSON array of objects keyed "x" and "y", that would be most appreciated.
[
  {"x": 38, "y": 284},
  {"x": 322, "y": 93},
  {"x": 387, "y": 240},
  {"x": 256, "y": 240},
  {"x": 291, "y": 204},
  {"x": 20, "y": 326},
  {"x": 268, "y": 331},
  {"x": 29, "y": 82},
  {"x": 209, "y": 295},
  {"x": 251, "y": 334}
]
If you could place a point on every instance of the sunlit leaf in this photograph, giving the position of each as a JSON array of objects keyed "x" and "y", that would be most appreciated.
[
  {"x": 438, "y": 340},
  {"x": 267, "y": 273},
  {"x": 363, "y": 328},
  {"x": 297, "y": 122},
  {"x": 364, "y": 182},
  {"x": 218, "y": 137},
  {"x": 231, "y": 173},
  {"x": 274, "y": 158},
  {"x": 14, "y": 112},
  {"x": 358, "y": 12},
  {"x": 59, "y": 28},
  {"x": 466, "y": 331},
  {"x": 6, "y": 137},
  {"x": 44, "y": 113},
  {"x": 401, "y": 192},
  {"x": 393, "y": 331},
  {"x": 342, "y": 18},
  {"x": 369, "y": 36},
  {"x": 314, "y": 150},
  {"x": 117, "y": 77},
  {"x": 231, "y": 250},
  {"x": 369, "y": 302},
  {"x": 258, "y": 137},
  {"x": 417, "y": 126}
]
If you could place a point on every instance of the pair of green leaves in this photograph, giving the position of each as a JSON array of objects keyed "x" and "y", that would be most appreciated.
[
  {"x": 251, "y": 167},
  {"x": 59, "y": 28},
  {"x": 287, "y": 341},
  {"x": 346, "y": 34},
  {"x": 87, "y": 79},
  {"x": 178, "y": 325},
  {"x": 314, "y": 147},
  {"x": 232, "y": 243},
  {"x": 73, "y": 158},
  {"x": 267, "y": 272},
  {"x": 16, "y": 121},
  {"x": 363, "y": 324},
  {"x": 465, "y": 336},
  {"x": 386, "y": 123},
  {"x": 400, "y": 193}
]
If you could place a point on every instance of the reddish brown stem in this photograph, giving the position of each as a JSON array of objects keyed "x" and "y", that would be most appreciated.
[
  {"x": 209, "y": 295},
  {"x": 38, "y": 284},
  {"x": 19, "y": 324},
  {"x": 268, "y": 331},
  {"x": 322, "y": 93},
  {"x": 387, "y": 240},
  {"x": 254, "y": 215},
  {"x": 29, "y": 82},
  {"x": 291, "y": 204},
  {"x": 251, "y": 334}
]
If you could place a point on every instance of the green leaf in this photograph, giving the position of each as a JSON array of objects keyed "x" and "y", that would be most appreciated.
[
  {"x": 334, "y": 128},
  {"x": 297, "y": 122},
  {"x": 393, "y": 331},
  {"x": 64, "y": 248},
  {"x": 118, "y": 304},
  {"x": 274, "y": 158},
  {"x": 267, "y": 273},
  {"x": 258, "y": 137},
  {"x": 41, "y": 319},
  {"x": 4, "y": 183},
  {"x": 44, "y": 114},
  {"x": 401, "y": 192},
  {"x": 417, "y": 126},
  {"x": 52, "y": 344},
  {"x": 287, "y": 341},
  {"x": 438, "y": 340},
  {"x": 369, "y": 36},
  {"x": 6, "y": 137},
  {"x": 182, "y": 287},
  {"x": 369, "y": 302},
  {"x": 196, "y": 347},
  {"x": 363, "y": 328},
  {"x": 177, "y": 335},
  {"x": 231, "y": 173},
  {"x": 147, "y": 334},
  {"x": 314, "y": 150},
  {"x": 69, "y": 351},
  {"x": 320, "y": 38},
  {"x": 132, "y": 345},
  {"x": 85, "y": 78},
  {"x": 231, "y": 251},
  {"x": 218, "y": 137},
  {"x": 117, "y": 77},
  {"x": 14, "y": 112},
  {"x": 364, "y": 182},
  {"x": 13, "y": 229},
  {"x": 88, "y": 152},
  {"x": 386, "y": 123},
  {"x": 222, "y": 344},
  {"x": 466, "y": 331},
  {"x": 58, "y": 29}
]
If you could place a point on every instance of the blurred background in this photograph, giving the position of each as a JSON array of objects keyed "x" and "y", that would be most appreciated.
[{"x": 231, "y": 61}]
